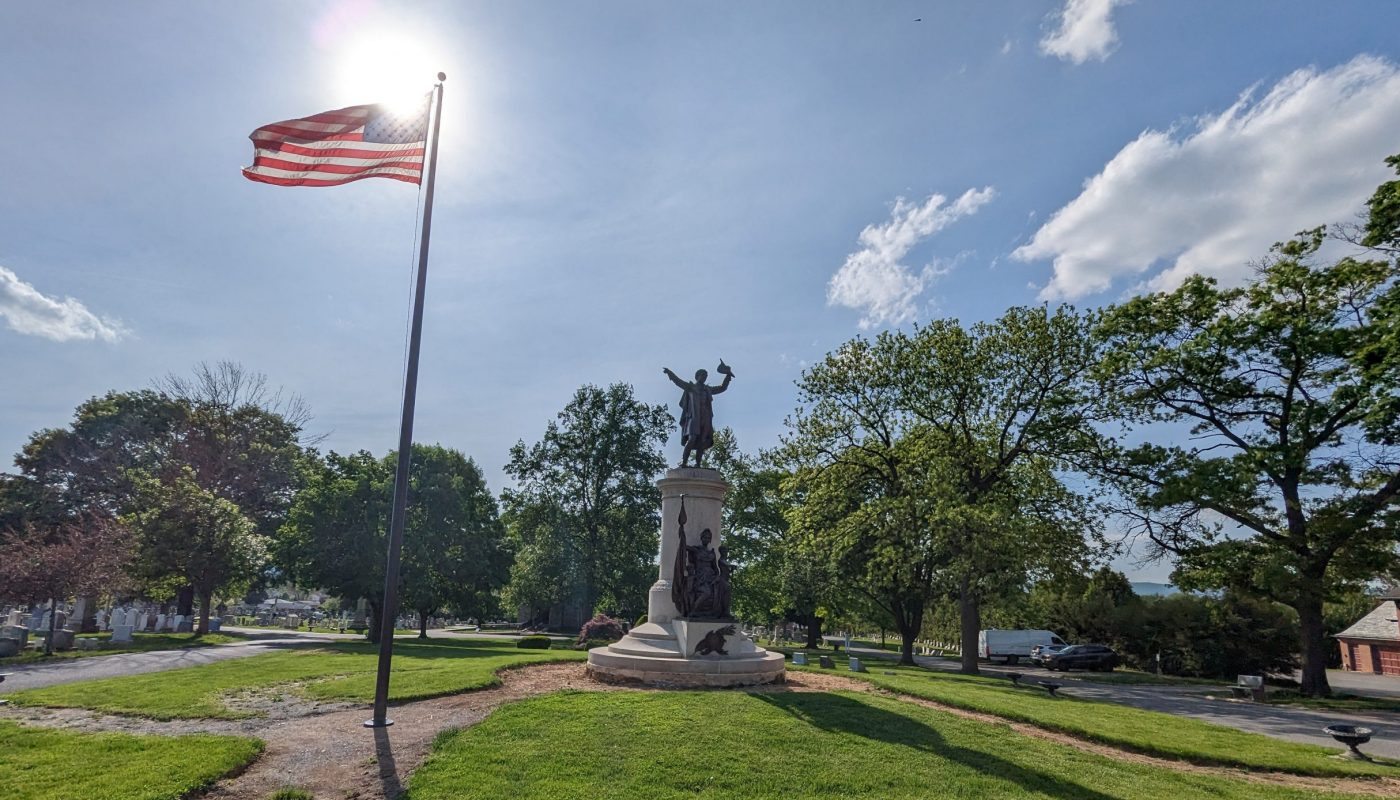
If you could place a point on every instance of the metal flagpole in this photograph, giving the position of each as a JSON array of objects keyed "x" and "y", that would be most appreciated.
[{"x": 389, "y": 610}]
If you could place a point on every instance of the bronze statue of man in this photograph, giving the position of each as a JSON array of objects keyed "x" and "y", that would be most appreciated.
[{"x": 697, "y": 411}]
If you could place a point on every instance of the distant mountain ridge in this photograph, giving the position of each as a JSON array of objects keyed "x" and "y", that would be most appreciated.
[{"x": 1147, "y": 588}]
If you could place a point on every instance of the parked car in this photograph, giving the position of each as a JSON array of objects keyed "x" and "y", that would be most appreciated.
[
  {"x": 1083, "y": 656},
  {"x": 1012, "y": 645},
  {"x": 1043, "y": 651}
]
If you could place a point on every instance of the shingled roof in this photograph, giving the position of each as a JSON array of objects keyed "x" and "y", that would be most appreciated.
[{"x": 1379, "y": 624}]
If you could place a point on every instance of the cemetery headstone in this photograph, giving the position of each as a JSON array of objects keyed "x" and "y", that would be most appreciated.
[
  {"x": 826, "y": 663},
  {"x": 799, "y": 658},
  {"x": 17, "y": 632},
  {"x": 854, "y": 665},
  {"x": 121, "y": 634}
]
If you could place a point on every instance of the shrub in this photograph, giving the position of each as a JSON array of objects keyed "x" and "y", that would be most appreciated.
[
  {"x": 534, "y": 642},
  {"x": 600, "y": 627},
  {"x": 642, "y": 620},
  {"x": 592, "y": 643}
]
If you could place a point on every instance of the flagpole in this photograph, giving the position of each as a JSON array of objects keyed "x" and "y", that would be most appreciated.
[{"x": 389, "y": 609}]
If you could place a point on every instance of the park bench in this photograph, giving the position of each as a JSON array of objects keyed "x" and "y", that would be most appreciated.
[
  {"x": 1051, "y": 687},
  {"x": 1248, "y": 687},
  {"x": 1015, "y": 678}
]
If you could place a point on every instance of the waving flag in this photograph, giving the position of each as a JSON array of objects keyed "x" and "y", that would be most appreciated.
[{"x": 337, "y": 147}]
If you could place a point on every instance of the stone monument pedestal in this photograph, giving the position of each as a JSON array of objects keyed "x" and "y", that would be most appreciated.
[{"x": 669, "y": 650}]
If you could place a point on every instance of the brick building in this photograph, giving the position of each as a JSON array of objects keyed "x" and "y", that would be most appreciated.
[{"x": 1373, "y": 643}]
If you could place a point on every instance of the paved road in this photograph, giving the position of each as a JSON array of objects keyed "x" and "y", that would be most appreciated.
[
  {"x": 32, "y": 676},
  {"x": 1363, "y": 683},
  {"x": 1284, "y": 722}
]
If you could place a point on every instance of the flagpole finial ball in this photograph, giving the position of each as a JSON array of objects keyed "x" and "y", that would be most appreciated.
[{"x": 442, "y": 76}]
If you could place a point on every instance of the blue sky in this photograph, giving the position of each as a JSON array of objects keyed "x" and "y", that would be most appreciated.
[{"x": 626, "y": 186}]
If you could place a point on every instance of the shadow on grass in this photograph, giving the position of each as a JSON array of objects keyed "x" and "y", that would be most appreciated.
[{"x": 838, "y": 714}]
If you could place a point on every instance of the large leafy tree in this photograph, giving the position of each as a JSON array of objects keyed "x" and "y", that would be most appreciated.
[
  {"x": 456, "y": 554},
  {"x": 334, "y": 536},
  {"x": 927, "y": 461},
  {"x": 1006, "y": 399},
  {"x": 188, "y": 535},
  {"x": 777, "y": 577},
  {"x": 241, "y": 440},
  {"x": 866, "y": 483},
  {"x": 583, "y": 515},
  {"x": 91, "y": 463},
  {"x": 1287, "y": 486},
  {"x": 454, "y": 551}
]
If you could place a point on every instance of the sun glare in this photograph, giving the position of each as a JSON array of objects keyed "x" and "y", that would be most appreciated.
[{"x": 389, "y": 68}]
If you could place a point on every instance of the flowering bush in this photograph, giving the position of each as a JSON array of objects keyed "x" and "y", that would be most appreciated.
[{"x": 600, "y": 627}]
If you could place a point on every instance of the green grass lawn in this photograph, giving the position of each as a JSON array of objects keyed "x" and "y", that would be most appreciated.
[
  {"x": 324, "y": 629},
  {"x": 1132, "y": 728},
  {"x": 338, "y": 671},
  {"x": 140, "y": 643},
  {"x": 672, "y": 745},
  {"x": 48, "y": 764}
]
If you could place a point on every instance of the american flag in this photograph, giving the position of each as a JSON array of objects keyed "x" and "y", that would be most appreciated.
[{"x": 337, "y": 147}]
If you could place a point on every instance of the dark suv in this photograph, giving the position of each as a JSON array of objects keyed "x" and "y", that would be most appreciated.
[{"x": 1082, "y": 656}]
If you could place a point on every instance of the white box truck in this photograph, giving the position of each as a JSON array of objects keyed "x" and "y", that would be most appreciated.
[{"x": 1012, "y": 645}]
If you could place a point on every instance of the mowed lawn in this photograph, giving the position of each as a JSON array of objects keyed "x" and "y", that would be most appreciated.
[
  {"x": 340, "y": 671},
  {"x": 49, "y": 764},
  {"x": 1149, "y": 732},
  {"x": 664, "y": 745}
]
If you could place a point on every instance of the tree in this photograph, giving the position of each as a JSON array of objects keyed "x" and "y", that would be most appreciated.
[
  {"x": 241, "y": 440},
  {"x": 91, "y": 463},
  {"x": 1006, "y": 398},
  {"x": 584, "y": 513},
  {"x": 1290, "y": 386},
  {"x": 776, "y": 577},
  {"x": 454, "y": 551},
  {"x": 334, "y": 536},
  {"x": 862, "y": 482},
  {"x": 187, "y": 535},
  {"x": 79, "y": 556},
  {"x": 928, "y": 461}
]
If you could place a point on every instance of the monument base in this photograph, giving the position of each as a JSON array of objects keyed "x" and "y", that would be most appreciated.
[{"x": 686, "y": 653}]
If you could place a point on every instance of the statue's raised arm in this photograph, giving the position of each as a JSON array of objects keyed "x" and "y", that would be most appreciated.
[{"x": 676, "y": 379}]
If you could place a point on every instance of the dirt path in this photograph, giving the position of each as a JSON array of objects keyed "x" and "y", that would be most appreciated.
[{"x": 324, "y": 748}]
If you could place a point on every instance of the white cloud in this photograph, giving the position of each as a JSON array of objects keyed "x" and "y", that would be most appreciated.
[
  {"x": 1211, "y": 198},
  {"x": 27, "y": 310},
  {"x": 875, "y": 281},
  {"x": 1085, "y": 31}
]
